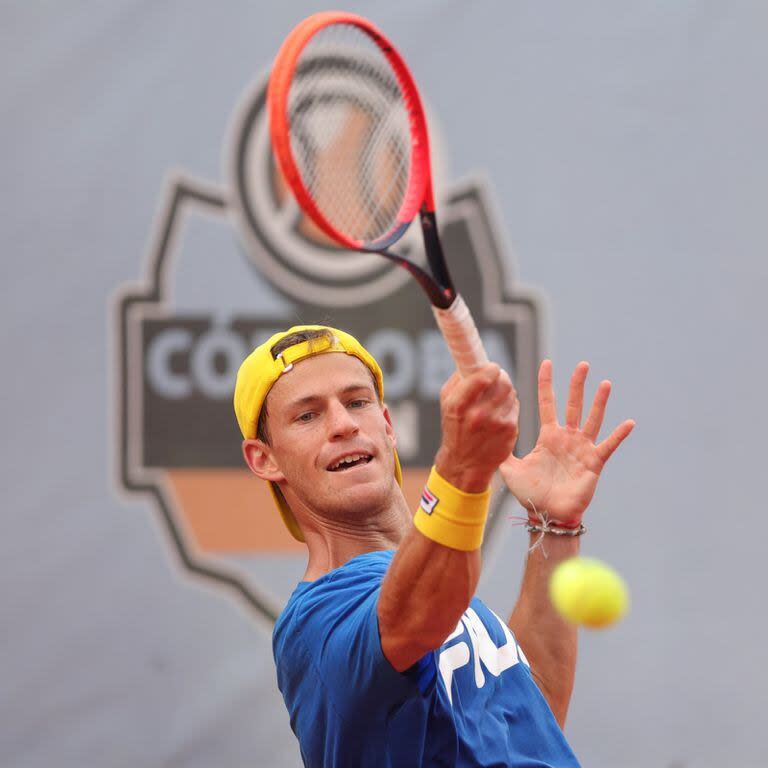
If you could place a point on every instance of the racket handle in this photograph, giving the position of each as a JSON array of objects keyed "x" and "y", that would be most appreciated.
[{"x": 460, "y": 333}]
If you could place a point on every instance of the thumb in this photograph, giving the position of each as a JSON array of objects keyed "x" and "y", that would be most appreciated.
[{"x": 509, "y": 468}]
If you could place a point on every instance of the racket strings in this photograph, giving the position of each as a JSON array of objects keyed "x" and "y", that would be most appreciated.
[
  {"x": 350, "y": 132},
  {"x": 360, "y": 208}
]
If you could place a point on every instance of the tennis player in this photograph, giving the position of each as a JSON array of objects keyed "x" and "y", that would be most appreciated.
[{"x": 384, "y": 655}]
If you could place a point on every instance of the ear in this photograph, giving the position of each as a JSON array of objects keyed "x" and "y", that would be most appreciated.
[
  {"x": 390, "y": 428},
  {"x": 260, "y": 461}
]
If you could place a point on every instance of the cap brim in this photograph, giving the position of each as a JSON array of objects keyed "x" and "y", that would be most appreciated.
[{"x": 285, "y": 512}]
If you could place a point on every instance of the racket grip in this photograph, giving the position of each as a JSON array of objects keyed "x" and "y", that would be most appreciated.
[{"x": 460, "y": 333}]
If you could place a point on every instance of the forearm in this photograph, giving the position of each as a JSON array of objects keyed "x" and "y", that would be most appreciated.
[
  {"x": 434, "y": 574},
  {"x": 548, "y": 640},
  {"x": 426, "y": 590}
]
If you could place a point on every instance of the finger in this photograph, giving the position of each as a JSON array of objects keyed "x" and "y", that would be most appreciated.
[
  {"x": 547, "y": 411},
  {"x": 451, "y": 384},
  {"x": 499, "y": 401},
  {"x": 471, "y": 388},
  {"x": 506, "y": 408},
  {"x": 597, "y": 412},
  {"x": 576, "y": 395},
  {"x": 500, "y": 392},
  {"x": 515, "y": 415},
  {"x": 509, "y": 468},
  {"x": 614, "y": 440}
]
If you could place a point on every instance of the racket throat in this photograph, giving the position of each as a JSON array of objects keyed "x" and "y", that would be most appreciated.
[
  {"x": 435, "y": 257},
  {"x": 438, "y": 285},
  {"x": 436, "y": 293}
]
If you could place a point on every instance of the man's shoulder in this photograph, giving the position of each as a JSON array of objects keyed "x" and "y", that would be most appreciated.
[{"x": 336, "y": 592}]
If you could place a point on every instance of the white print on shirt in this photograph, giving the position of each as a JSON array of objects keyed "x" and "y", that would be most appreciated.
[{"x": 494, "y": 659}]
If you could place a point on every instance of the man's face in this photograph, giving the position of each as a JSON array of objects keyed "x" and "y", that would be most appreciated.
[{"x": 331, "y": 438}]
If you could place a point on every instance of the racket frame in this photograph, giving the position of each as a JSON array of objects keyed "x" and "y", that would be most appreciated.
[
  {"x": 418, "y": 196},
  {"x": 451, "y": 313}
]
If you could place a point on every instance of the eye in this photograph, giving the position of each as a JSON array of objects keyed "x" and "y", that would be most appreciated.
[
  {"x": 359, "y": 402},
  {"x": 306, "y": 416}
]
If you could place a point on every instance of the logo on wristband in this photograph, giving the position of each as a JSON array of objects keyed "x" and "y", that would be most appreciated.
[{"x": 428, "y": 501}]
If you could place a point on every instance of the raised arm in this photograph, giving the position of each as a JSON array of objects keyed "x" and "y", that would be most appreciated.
[
  {"x": 429, "y": 585},
  {"x": 556, "y": 482}
]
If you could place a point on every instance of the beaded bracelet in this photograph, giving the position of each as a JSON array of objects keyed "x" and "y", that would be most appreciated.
[{"x": 557, "y": 530}]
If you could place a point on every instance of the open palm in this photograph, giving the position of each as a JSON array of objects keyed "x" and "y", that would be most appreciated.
[{"x": 559, "y": 476}]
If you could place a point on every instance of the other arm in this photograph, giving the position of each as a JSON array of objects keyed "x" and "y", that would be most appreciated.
[
  {"x": 557, "y": 479},
  {"x": 549, "y": 641}
]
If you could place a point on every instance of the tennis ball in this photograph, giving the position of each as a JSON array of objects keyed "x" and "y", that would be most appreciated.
[{"x": 588, "y": 592}]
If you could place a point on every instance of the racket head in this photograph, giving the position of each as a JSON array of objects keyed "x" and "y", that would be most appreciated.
[{"x": 349, "y": 132}]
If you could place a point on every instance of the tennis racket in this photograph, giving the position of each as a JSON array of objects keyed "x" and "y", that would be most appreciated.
[{"x": 349, "y": 133}]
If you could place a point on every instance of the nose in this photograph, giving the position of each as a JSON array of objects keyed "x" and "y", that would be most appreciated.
[{"x": 341, "y": 423}]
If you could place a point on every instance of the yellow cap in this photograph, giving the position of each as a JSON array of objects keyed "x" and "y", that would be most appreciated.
[{"x": 260, "y": 371}]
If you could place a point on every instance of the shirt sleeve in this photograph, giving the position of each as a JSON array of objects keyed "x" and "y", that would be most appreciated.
[{"x": 339, "y": 628}]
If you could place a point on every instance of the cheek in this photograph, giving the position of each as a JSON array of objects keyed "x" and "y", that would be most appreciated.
[
  {"x": 296, "y": 454},
  {"x": 386, "y": 427},
  {"x": 380, "y": 432}
]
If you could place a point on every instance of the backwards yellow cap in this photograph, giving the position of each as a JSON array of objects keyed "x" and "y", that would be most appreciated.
[{"x": 260, "y": 370}]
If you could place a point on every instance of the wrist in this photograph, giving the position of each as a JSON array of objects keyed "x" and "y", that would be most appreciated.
[
  {"x": 451, "y": 516},
  {"x": 466, "y": 478},
  {"x": 554, "y": 548},
  {"x": 543, "y": 517},
  {"x": 568, "y": 523}
]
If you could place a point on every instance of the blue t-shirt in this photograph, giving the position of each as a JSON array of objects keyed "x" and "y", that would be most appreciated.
[{"x": 471, "y": 702}]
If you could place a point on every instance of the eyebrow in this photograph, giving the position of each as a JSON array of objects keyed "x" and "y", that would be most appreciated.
[{"x": 368, "y": 387}]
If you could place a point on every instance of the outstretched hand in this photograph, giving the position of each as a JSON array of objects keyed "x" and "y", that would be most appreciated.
[{"x": 559, "y": 476}]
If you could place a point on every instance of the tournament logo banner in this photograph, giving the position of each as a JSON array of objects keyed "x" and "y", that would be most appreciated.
[{"x": 228, "y": 265}]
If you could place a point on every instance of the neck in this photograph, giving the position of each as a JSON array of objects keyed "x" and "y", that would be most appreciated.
[{"x": 333, "y": 543}]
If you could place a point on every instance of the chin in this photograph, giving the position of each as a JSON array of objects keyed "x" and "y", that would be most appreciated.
[{"x": 373, "y": 495}]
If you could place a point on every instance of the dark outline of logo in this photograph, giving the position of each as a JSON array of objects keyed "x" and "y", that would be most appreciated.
[
  {"x": 501, "y": 301},
  {"x": 182, "y": 190}
]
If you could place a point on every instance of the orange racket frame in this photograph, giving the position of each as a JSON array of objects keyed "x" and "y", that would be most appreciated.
[
  {"x": 451, "y": 313},
  {"x": 418, "y": 196}
]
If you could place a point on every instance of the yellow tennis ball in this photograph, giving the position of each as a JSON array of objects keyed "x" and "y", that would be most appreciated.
[{"x": 588, "y": 592}]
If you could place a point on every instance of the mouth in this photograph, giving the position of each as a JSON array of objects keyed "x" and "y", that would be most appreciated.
[{"x": 348, "y": 462}]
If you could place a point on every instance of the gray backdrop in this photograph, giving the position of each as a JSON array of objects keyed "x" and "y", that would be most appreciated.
[{"x": 624, "y": 145}]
